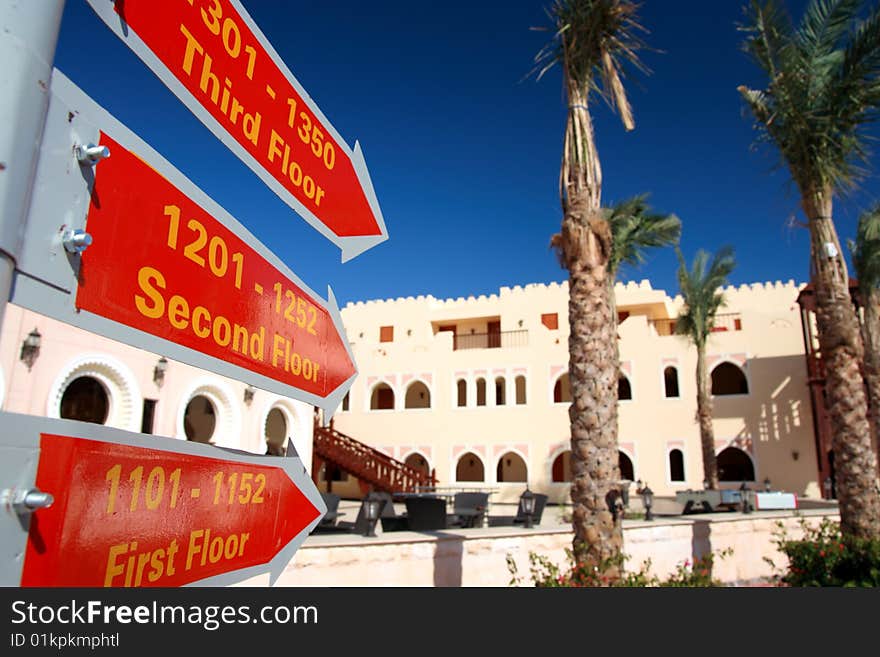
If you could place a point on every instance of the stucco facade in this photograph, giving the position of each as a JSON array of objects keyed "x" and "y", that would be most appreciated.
[
  {"x": 479, "y": 391},
  {"x": 118, "y": 383}
]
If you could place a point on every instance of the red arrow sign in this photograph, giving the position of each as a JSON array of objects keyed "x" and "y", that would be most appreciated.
[
  {"x": 162, "y": 264},
  {"x": 215, "y": 59},
  {"x": 135, "y": 516}
]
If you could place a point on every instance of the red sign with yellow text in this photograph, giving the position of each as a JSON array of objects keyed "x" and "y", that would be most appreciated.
[
  {"x": 218, "y": 58},
  {"x": 161, "y": 264},
  {"x": 128, "y": 516}
]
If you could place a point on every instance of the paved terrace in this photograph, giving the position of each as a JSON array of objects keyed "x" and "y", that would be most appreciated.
[{"x": 477, "y": 557}]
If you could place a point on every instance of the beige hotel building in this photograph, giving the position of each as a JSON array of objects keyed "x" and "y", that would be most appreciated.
[{"x": 476, "y": 390}]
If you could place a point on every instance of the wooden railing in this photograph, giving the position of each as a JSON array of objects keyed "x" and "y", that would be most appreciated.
[
  {"x": 368, "y": 464},
  {"x": 497, "y": 340},
  {"x": 723, "y": 322}
]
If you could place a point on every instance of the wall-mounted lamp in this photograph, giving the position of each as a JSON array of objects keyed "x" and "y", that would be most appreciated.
[
  {"x": 30, "y": 348},
  {"x": 249, "y": 395},
  {"x": 159, "y": 371}
]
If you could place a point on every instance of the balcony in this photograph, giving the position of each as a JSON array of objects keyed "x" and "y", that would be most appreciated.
[
  {"x": 723, "y": 322},
  {"x": 495, "y": 340}
]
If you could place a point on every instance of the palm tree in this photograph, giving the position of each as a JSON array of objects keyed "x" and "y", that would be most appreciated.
[
  {"x": 823, "y": 87},
  {"x": 635, "y": 228},
  {"x": 593, "y": 40},
  {"x": 700, "y": 289},
  {"x": 865, "y": 251}
]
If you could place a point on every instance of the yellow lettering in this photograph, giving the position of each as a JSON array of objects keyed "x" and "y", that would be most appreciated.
[
  {"x": 194, "y": 546},
  {"x": 146, "y": 276},
  {"x": 278, "y": 343},
  {"x": 258, "y": 344},
  {"x": 191, "y": 46},
  {"x": 222, "y": 331},
  {"x": 172, "y": 550},
  {"x": 239, "y": 339},
  {"x": 274, "y": 141},
  {"x": 143, "y": 560},
  {"x": 157, "y": 565},
  {"x": 206, "y": 544},
  {"x": 114, "y": 569},
  {"x": 199, "y": 313},
  {"x": 178, "y": 312}
]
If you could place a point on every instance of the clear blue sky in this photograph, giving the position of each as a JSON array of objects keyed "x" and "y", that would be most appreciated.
[{"x": 464, "y": 151}]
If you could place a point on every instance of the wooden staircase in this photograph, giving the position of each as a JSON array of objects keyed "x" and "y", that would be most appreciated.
[{"x": 369, "y": 465}]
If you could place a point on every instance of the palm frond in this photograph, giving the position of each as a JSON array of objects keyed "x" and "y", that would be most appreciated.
[
  {"x": 865, "y": 251},
  {"x": 593, "y": 41},
  {"x": 699, "y": 287},
  {"x": 825, "y": 23},
  {"x": 635, "y": 228},
  {"x": 823, "y": 87}
]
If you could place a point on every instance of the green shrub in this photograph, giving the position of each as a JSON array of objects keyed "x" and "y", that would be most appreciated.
[
  {"x": 546, "y": 574},
  {"x": 824, "y": 557}
]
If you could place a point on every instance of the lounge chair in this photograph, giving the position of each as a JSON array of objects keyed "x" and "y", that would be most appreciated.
[
  {"x": 520, "y": 517},
  {"x": 391, "y": 522},
  {"x": 468, "y": 509},
  {"x": 332, "y": 515},
  {"x": 425, "y": 513}
]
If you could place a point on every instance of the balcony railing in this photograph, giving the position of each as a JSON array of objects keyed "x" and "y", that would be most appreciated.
[
  {"x": 723, "y": 322},
  {"x": 502, "y": 339}
]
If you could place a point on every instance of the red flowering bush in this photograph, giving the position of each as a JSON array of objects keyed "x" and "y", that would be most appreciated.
[
  {"x": 823, "y": 557},
  {"x": 546, "y": 574}
]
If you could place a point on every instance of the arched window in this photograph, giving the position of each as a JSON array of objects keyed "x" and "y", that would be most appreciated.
[
  {"x": 500, "y": 391},
  {"x": 676, "y": 465},
  {"x": 276, "y": 432},
  {"x": 346, "y": 401},
  {"x": 520, "y": 389},
  {"x": 511, "y": 467},
  {"x": 99, "y": 389},
  {"x": 417, "y": 462},
  {"x": 735, "y": 465},
  {"x": 417, "y": 396},
  {"x": 85, "y": 399},
  {"x": 481, "y": 392},
  {"x": 728, "y": 379},
  {"x": 469, "y": 468},
  {"x": 562, "y": 390},
  {"x": 199, "y": 419},
  {"x": 624, "y": 390},
  {"x": 462, "y": 392},
  {"x": 382, "y": 398},
  {"x": 626, "y": 466},
  {"x": 670, "y": 382},
  {"x": 561, "y": 470}
]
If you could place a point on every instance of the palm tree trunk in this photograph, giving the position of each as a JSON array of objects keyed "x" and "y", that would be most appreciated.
[
  {"x": 704, "y": 419},
  {"x": 871, "y": 337},
  {"x": 593, "y": 370},
  {"x": 840, "y": 343}
]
